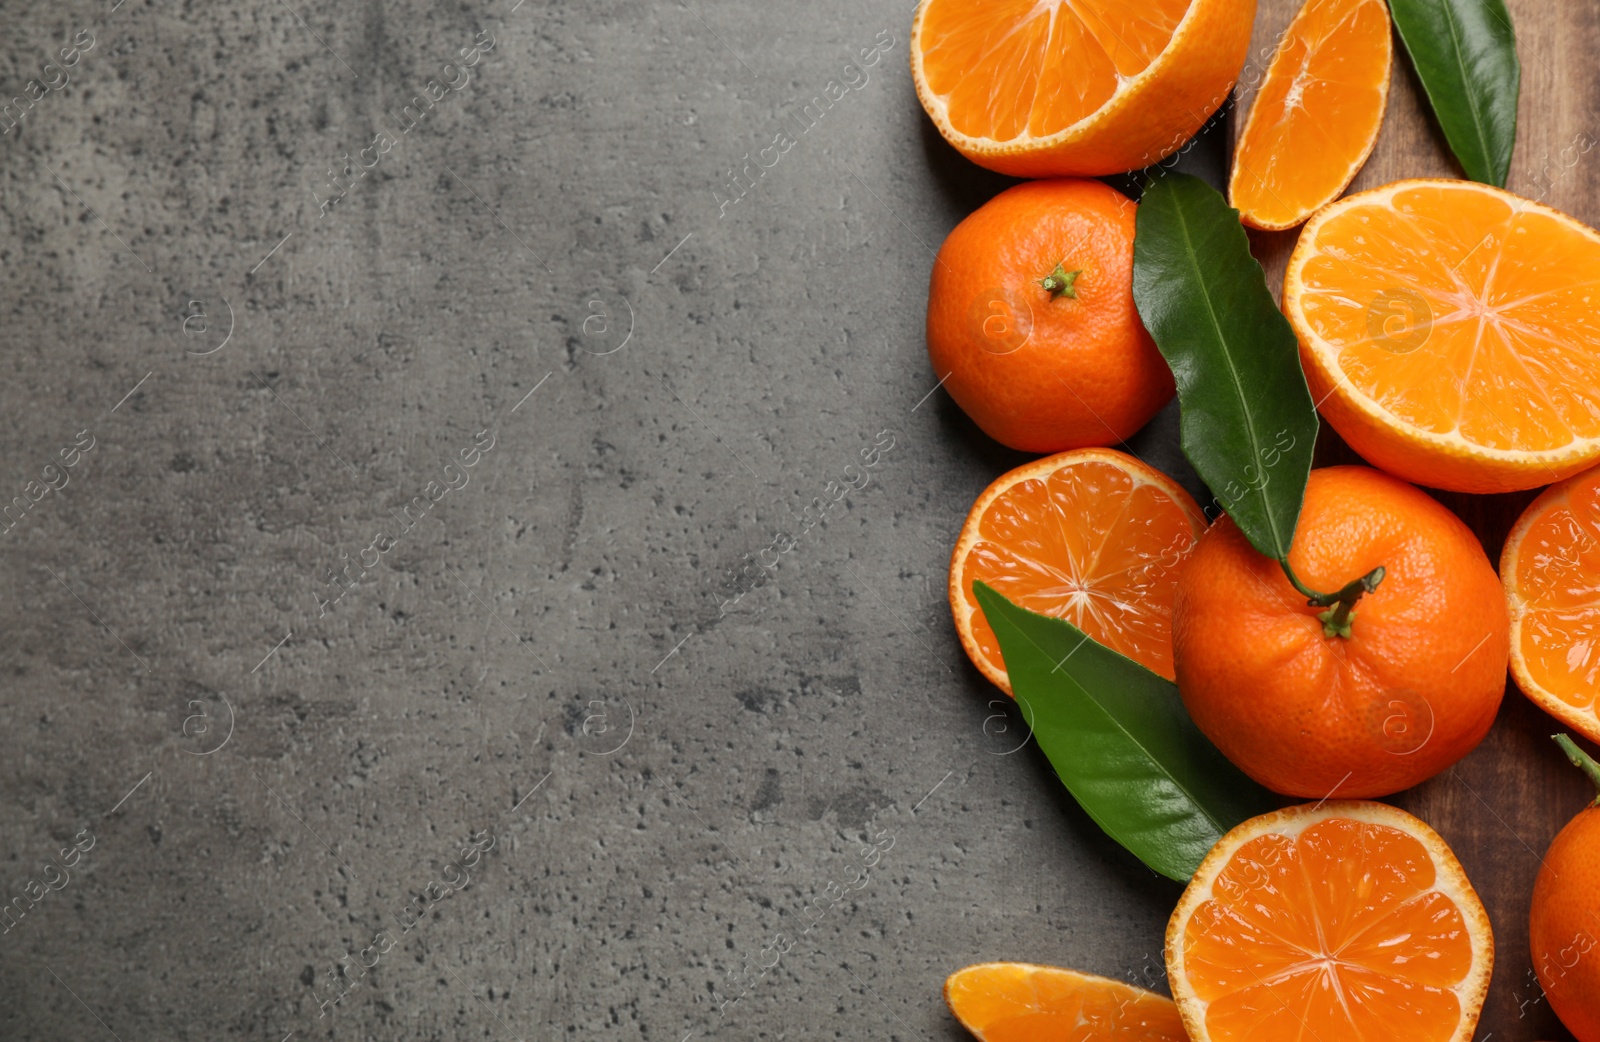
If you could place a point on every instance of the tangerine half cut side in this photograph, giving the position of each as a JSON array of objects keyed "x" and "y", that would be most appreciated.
[
  {"x": 1336, "y": 920},
  {"x": 1045, "y": 88},
  {"x": 1093, "y": 536},
  {"x": 1550, "y": 568},
  {"x": 1450, "y": 332}
]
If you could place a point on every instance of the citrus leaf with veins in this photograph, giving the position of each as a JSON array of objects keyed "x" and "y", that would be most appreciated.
[
  {"x": 1121, "y": 741},
  {"x": 1248, "y": 423}
]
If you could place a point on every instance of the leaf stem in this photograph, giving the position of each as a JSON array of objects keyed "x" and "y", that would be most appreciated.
[
  {"x": 1582, "y": 760},
  {"x": 1341, "y": 604}
]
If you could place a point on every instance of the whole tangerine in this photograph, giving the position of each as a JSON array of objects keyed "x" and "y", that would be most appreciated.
[
  {"x": 1031, "y": 320},
  {"x": 1564, "y": 921},
  {"x": 1383, "y": 683}
]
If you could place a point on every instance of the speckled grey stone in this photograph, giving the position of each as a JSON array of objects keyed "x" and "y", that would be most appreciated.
[{"x": 718, "y": 807}]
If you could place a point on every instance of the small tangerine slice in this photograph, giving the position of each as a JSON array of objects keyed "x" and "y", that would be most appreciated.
[
  {"x": 1337, "y": 920},
  {"x": 1551, "y": 571},
  {"x": 1317, "y": 113},
  {"x": 1093, "y": 536},
  {"x": 1022, "y": 1002}
]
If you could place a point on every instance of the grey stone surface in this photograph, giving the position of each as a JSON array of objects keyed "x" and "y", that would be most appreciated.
[{"x": 270, "y": 777}]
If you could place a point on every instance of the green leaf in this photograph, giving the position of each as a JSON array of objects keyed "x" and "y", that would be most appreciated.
[
  {"x": 1121, "y": 741},
  {"x": 1247, "y": 421},
  {"x": 1465, "y": 53}
]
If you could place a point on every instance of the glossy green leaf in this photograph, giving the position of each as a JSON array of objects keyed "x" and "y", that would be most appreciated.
[
  {"x": 1121, "y": 741},
  {"x": 1247, "y": 420},
  {"x": 1465, "y": 54}
]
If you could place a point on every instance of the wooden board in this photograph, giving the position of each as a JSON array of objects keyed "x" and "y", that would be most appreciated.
[{"x": 1500, "y": 807}]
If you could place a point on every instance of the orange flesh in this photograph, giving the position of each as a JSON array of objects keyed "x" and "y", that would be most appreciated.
[
  {"x": 1335, "y": 933},
  {"x": 1557, "y": 575},
  {"x": 1013, "y": 1002},
  {"x": 1317, "y": 114},
  {"x": 1010, "y": 69},
  {"x": 1089, "y": 544},
  {"x": 1511, "y": 360}
]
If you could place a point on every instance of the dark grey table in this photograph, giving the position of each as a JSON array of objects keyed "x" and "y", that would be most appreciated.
[{"x": 473, "y": 614}]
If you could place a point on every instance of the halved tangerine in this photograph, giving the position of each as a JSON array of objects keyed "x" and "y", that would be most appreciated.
[
  {"x": 1551, "y": 571},
  {"x": 1021, "y": 1002},
  {"x": 1093, "y": 536},
  {"x": 1316, "y": 115},
  {"x": 1345, "y": 920},
  {"x": 1449, "y": 331},
  {"x": 1044, "y": 88}
]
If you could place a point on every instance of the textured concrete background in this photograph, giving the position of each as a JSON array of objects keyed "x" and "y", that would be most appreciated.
[{"x": 717, "y": 809}]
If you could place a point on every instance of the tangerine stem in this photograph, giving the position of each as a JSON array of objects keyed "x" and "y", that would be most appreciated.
[
  {"x": 1341, "y": 604},
  {"x": 1060, "y": 282},
  {"x": 1582, "y": 760}
]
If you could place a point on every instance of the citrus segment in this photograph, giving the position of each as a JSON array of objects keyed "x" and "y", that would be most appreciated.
[
  {"x": 1551, "y": 571},
  {"x": 1092, "y": 536},
  {"x": 1335, "y": 920},
  {"x": 1449, "y": 330},
  {"x": 1316, "y": 115},
  {"x": 1040, "y": 88},
  {"x": 1020, "y": 1002}
]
